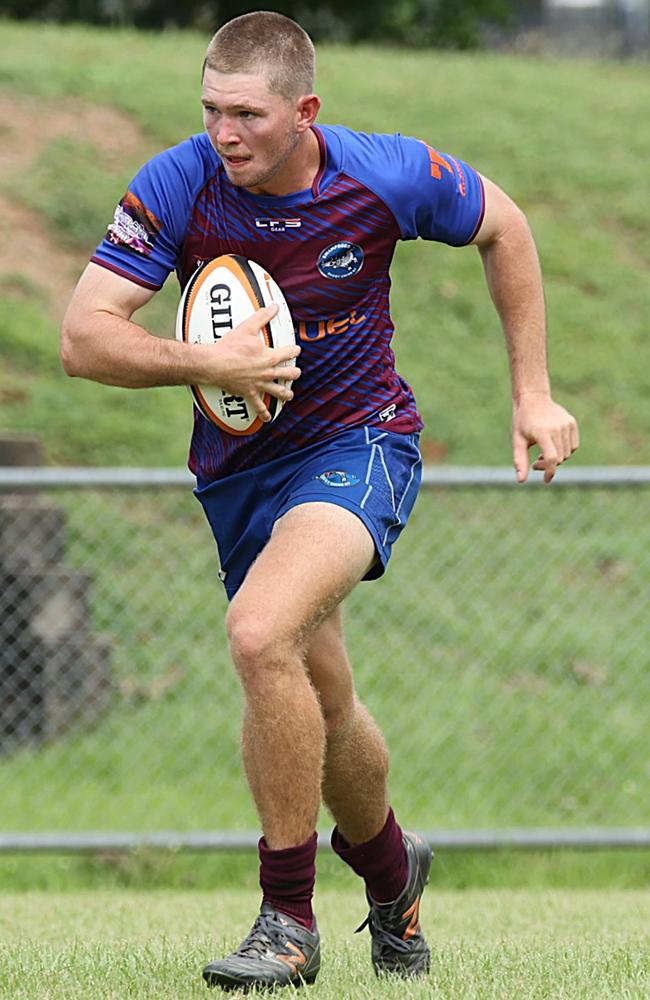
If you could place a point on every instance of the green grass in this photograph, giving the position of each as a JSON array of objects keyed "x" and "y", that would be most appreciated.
[
  {"x": 487, "y": 945},
  {"x": 565, "y": 139},
  {"x": 551, "y": 647},
  {"x": 148, "y": 869}
]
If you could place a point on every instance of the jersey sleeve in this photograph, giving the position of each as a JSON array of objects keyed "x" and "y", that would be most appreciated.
[
  {"x": 431, "y": 194},
  {"x": 442, "y": 198},
  {"x": 144, "y": 239},
  {"x": 453, "y": 207}
]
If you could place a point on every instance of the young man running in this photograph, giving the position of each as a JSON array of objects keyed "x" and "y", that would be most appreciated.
[{"x": 311, "y": 504}]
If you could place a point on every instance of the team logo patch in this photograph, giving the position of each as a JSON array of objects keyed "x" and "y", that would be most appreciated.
[
  {"x": 341, "y": 260},
  {"x": 134, "y": 225},
  {"x": 338, "y": 478}
]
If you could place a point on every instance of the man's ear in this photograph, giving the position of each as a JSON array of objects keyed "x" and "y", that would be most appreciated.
[{"x": 307, "y": 111}]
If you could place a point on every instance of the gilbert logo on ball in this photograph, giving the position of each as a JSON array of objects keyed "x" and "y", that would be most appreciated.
[{"x": 220, "y": 295}]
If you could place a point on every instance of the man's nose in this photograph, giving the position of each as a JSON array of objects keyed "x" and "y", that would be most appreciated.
[{"x": 227, "y": 134}]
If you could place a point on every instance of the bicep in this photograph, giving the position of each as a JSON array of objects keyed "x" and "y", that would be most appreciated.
[
  {"x": 500, "y": 215},
  {"x": 101, "y": 290}
]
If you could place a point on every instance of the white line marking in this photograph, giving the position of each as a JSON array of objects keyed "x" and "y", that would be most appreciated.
[{"x": 369, "y": 473}]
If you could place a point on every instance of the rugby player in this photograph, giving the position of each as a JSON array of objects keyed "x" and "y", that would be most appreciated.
[{"x": 312, "y": 503}]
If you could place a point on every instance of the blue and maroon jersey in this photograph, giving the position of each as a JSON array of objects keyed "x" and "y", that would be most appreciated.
[{"x": 329, "y": 248}]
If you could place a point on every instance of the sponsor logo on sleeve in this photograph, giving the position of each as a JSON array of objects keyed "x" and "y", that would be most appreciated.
[
  {"x": 438, "y": 163},
  {"x": 462, "y": 180},
  {"x": 341, "y": 260},
  {"x": 338, "y": 479},
  {"x": 134, "y": 226}
]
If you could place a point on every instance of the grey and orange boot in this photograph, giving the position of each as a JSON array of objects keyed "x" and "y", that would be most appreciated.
[
  {"x": 278, "y": 951},
  {"x": 398, "y": 944}
]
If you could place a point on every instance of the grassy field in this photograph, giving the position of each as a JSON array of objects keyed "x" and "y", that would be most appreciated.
[
  {"x": 527, "y": 652},
  {"x": 553, "y": 654},
  {"x": 565, "y": 139},
  {"x": 486, "y": 945},
  {"x": 532, "y": 619}
]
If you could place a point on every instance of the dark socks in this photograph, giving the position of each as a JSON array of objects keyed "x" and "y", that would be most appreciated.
[
  {"x": 381, "y": 862},
  {"x": 287, "y": 878}
]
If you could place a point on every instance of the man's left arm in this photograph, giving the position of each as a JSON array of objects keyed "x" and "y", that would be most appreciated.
[{"x": 514, "y": 279}]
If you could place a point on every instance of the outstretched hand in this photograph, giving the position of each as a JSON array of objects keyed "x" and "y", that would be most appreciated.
[{"x": 537, "y": 420}]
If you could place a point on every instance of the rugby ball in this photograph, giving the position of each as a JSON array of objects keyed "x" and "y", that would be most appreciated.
[{"x": 220, "y": 295}]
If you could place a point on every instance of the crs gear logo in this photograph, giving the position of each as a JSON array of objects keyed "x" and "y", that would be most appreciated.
[
  {"x": 338, "y": 479},
  {"x": 341, "y": 260},
  {"x": 278, "y": 225}
]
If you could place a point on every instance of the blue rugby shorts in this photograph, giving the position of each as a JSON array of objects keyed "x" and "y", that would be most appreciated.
[{"x": 370, "y": 471}]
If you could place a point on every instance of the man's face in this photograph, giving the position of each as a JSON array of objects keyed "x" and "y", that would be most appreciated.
[{"x": 253, "y": 131}]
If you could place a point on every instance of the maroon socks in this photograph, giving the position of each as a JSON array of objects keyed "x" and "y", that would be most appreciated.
[
  {"x": 287, "y": 878},
  {"x": 381, "y": 862}
]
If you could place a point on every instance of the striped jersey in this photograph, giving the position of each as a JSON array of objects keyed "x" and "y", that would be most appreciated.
[{"x": 329, "y": 248}]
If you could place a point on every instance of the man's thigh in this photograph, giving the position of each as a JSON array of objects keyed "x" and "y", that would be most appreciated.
[
  {"x": 316, "y": 555},
  {"x": 372, "y": 474}
]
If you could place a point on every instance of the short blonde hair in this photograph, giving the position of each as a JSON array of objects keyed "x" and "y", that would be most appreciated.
[{"x": 268, "y": 42}]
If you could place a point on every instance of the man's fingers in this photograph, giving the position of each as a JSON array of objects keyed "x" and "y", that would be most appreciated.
[
  {"x": 287, "y": 373},
  {"x": 550, "y": 427},
  {"x": 566, "y": 442},
  {"x": 520, "y": 455},
  {"x": 257, "y": 321},
  {"x": 549, "y": 458},
  {"x": 260, "y": 407},
  {"x": 279, "y": 391},
  {"x": 282, "y": 354},
  {"x": 260, "y": 318}
]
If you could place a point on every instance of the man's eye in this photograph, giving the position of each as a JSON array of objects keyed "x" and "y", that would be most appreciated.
[{"x": 246, "y": 114}]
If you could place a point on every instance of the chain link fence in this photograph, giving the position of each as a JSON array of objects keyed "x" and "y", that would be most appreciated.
[{"x": 505, "y": 655}]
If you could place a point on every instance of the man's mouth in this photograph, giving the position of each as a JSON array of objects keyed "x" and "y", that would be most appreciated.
[{"x": 234, "y": 161}]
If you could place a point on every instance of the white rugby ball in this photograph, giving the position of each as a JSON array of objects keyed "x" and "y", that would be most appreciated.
[{"x": 220, "y": 295}]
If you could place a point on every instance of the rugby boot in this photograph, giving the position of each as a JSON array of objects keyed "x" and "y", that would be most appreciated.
[
  {"x": 398, "y": 944},
  {"x": 279, "y": 951}
]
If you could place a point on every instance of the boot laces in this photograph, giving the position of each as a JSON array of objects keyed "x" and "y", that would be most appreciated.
[
  {"x": 268, "y": 933},
  {"x": 380, "y": 934}
]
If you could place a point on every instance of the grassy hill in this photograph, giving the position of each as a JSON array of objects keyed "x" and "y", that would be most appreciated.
[
  {"x": 521, "y": 617},
  {"x": 83, "y": 108}
]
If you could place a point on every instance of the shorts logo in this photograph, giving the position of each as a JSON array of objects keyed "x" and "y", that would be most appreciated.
[
  {"x": 341, "y": 260},
  {"x": 338, "y": 479}
]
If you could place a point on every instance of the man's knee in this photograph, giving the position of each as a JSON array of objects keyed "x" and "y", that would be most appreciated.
[{"x": 258, "y": 645}]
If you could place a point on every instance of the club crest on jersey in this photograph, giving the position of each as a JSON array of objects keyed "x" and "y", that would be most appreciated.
[
  {"x": 278, "y": 225},
  {"x": 341, "y": 260},
  {"x": 338, "y": 478}
]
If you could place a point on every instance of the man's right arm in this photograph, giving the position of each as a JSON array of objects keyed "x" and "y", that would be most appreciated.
[{"x": 99, "y": 341}]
